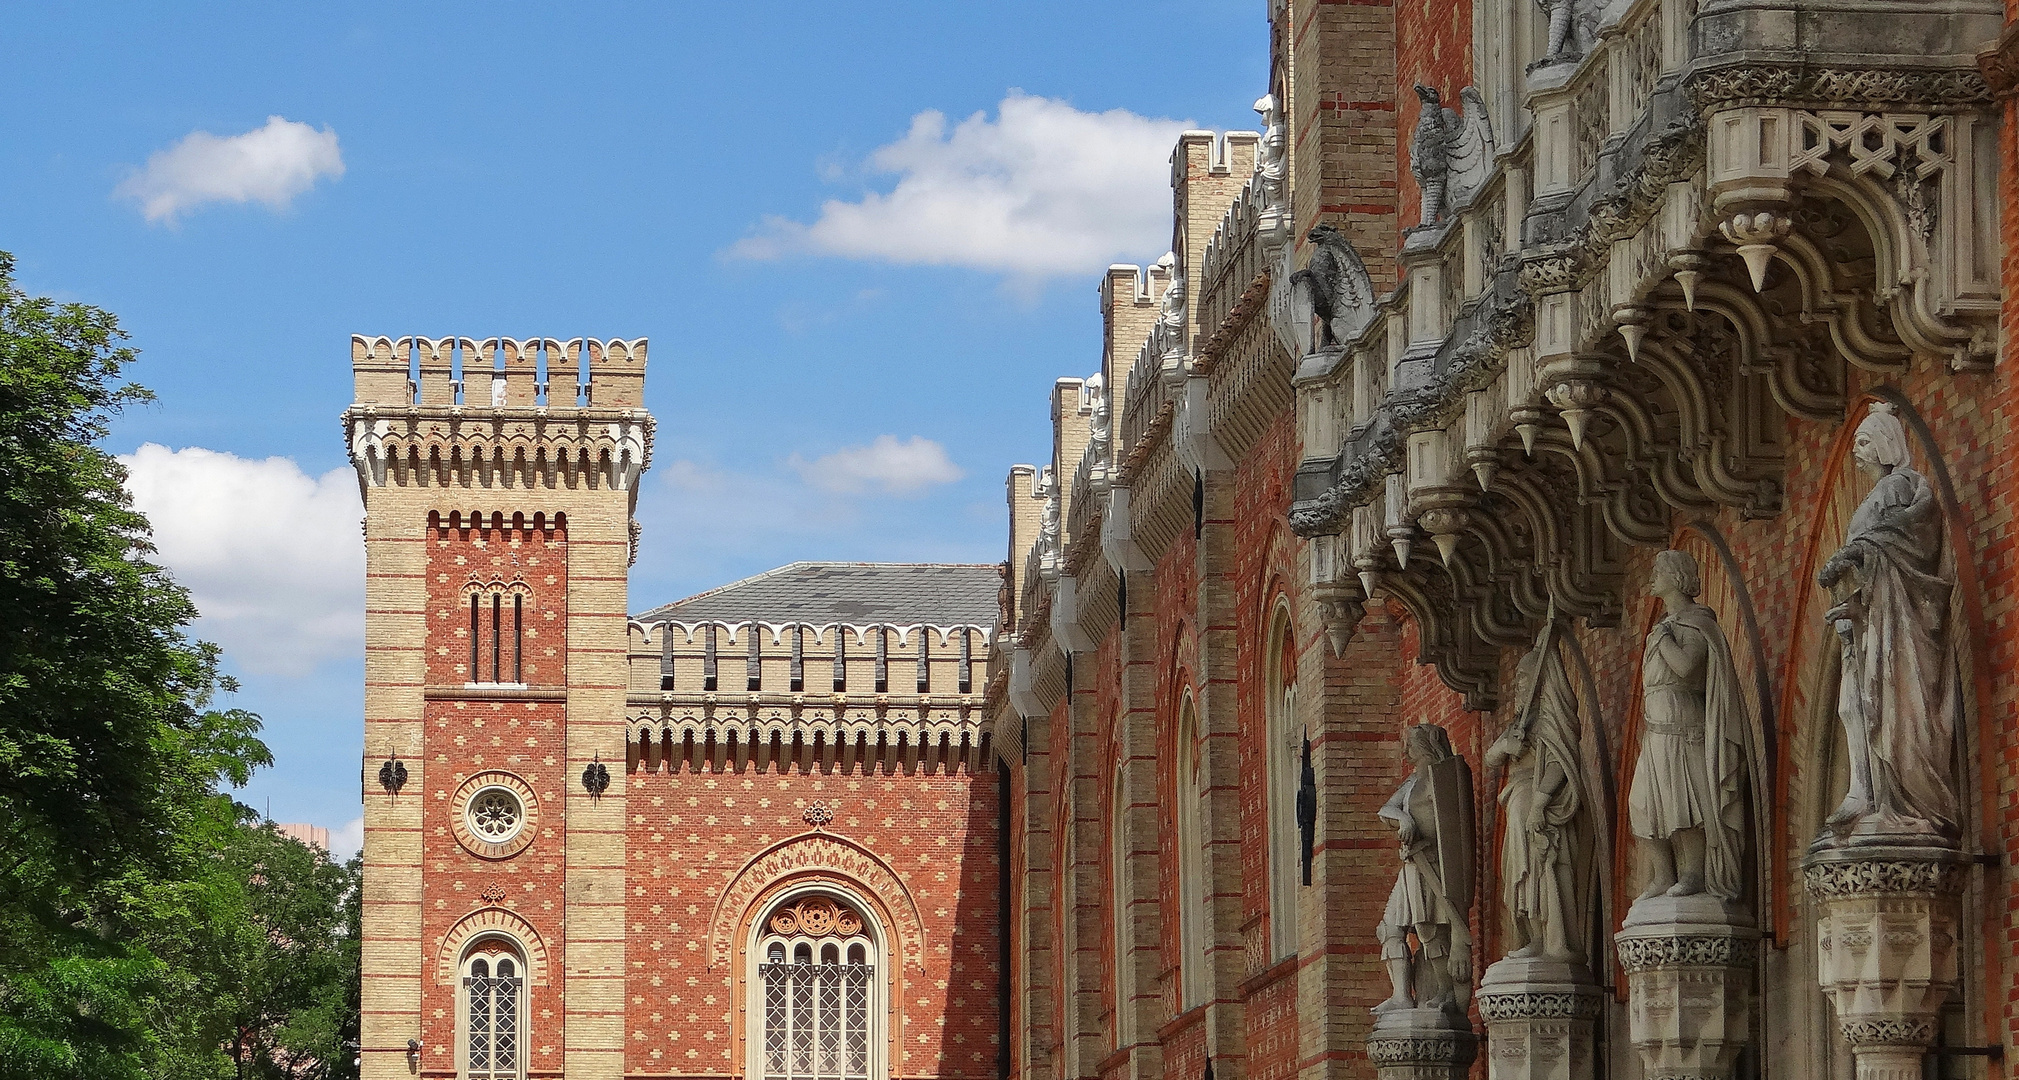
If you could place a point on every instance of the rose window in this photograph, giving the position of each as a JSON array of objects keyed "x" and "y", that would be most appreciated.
[{"x": 495, "y": 815}]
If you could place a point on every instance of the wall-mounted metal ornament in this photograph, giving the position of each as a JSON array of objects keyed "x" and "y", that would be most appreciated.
[
  {"x": 393, "y": 775},
  {"x": 596, "y": 778}
]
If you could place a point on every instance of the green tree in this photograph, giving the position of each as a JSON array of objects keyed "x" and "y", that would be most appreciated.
[{"x": 114, "y": 842}]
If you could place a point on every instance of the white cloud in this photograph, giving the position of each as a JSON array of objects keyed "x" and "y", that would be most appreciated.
[
  {"x": 886, "y": 466},
  {"x": 274, "y": 556},
  {"x": 346, "y": 839},
  {"x": 270, "y": 164},
  {"x": 1043, "y": 189}
]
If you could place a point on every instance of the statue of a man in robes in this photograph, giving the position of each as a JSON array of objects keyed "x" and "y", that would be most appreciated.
[
  {"x": 1687, "y": 804},
  {"x": 1896, "y": 694},
  {"x": 1547, "y": 850},
  {"x": 1432, "y": 815}
]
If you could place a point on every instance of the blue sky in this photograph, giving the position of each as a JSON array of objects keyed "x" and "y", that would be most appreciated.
[{"x": 863, "y": 239}]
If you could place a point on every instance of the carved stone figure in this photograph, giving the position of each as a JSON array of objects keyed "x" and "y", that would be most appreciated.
[
  {"x": 1272, "y": 164},
  {"x": 1687, "y": 804},
  {"x": 1432, "y": 814},
  {"x": 1335, "y": 289},
  {"x": 1450, "y": 155},
  {"x": 1547, "y": 850},
  {"x": 1896, "y": 694},
  {"x": 1170, "y": 327},
  {"x": 1100, "y": 427},
  {"x": 1571, "y": 26}
]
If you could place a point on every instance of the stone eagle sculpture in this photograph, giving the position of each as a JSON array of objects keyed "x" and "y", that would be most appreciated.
[
  {"x": 1334, "y": 289},
  {"x": 1450, "y": 155}
]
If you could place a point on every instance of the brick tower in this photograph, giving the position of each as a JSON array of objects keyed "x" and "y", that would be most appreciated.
[{"x": 499, "y": 479}]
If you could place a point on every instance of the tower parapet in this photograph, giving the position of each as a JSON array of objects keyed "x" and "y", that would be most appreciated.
[{"x": 498, "y": 412}]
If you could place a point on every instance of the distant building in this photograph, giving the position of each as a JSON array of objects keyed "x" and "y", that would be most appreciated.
[{"x": 314, "y": 836}]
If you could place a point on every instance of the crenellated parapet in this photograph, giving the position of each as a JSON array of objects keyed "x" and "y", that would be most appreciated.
[{"x": 499, "y": 412}]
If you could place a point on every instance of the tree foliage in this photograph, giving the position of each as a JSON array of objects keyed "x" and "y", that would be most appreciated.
[{"x": 148, "y": 926}]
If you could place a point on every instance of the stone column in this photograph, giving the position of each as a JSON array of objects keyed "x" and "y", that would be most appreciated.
[
  {"x": 1539, "y": 1014},
  {"x": 1422, "y": 1044},
  {"x": 1886, "y": 948},
  {"x": 1689, "y": 977}
]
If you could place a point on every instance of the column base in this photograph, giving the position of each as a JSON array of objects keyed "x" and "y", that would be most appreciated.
[
  {"x": 1539, "y": 1014},
  {"x": 1689, "y": 975},
  {"x": 1422, "y": 1044}
]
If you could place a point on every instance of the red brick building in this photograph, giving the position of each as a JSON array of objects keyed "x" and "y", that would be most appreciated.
[
  {"x": 1601, "y": 280},
  {"x": 750, "y": 833}
]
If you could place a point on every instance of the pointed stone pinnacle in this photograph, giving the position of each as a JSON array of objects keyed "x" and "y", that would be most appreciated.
[
  {"x": 1575, "y": 420},
  {"x": 1484, "y": 471},
  {"x": 1688, "y": 280},
  {"x": 1528, "y": 432},
  {"x": 1368, "y": 580},
  {"x": 1401, "y": 544},
  {"x": 1756, "y": 257},
  {"x": 1446, "y": 544},
  {"x": 1633, "y": 333}
]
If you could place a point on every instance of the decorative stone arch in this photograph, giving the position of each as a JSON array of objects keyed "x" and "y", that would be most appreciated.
[
  {"x": 813, "y": 855},
  {"x": 491, "y": 922}
]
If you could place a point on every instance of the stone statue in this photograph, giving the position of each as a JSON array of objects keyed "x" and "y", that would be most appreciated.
[
  {"x": 1450, "y": 155},
  {"x": 1546, "y": 854},
  {"x": 1334, "y": 289},
  {"x": 1272, "y": 164},
  {"x": 1896, "y": 692},
  {"x": 1170, "y": 328},
  {"x": 1687, "y": 804},
  {"x": 1571, "y": 27},
  {"x": 1432, "y": 813},
  {"x": 1100, "y": 429}
]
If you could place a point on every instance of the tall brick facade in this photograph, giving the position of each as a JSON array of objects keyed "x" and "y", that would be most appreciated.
[
  {"x": 752, "y": 833},
  {"x": 1594, "y": 353}
]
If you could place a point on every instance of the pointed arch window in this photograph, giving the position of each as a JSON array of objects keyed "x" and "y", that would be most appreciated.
[
  {"x": 1194, "y": 890},
  {"x": 818, "y": 991},
  {"x": 494, "y": 1010},
  {"x": 1284, "y": 755},
  {"x": 498, "y": 633}
]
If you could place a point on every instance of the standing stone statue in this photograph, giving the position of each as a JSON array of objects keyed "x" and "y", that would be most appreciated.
[
  {"x": 1896, "y": 694},
  {"x": 1432, "y": 814},
  {"x": 1546, "y": 855},
  {"x": 1687, "y": 804}
]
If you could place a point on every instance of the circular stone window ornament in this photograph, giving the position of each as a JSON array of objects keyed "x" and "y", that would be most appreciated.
[{"x": 493, "y": 815}]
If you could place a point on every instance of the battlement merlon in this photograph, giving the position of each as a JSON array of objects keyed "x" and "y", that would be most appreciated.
[{"x": 499, "y": 372}]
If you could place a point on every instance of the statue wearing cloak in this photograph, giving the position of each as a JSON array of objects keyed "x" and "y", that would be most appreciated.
[
  {"x": 1896, "y": 694},
  {"x": 1688, "y": 798},
  {"x": 1547, "y": 849}
]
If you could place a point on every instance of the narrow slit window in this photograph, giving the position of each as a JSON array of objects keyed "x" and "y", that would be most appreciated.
[
  {"x": 924, "y": 660},
  {"x": 497, "y": 639},
  {"x": 966, "y": 661},
  {"x": 840, "y": 657},
  {"x": 798, "y": 658},
  {"x": 753, "y": 666},
  {"x": 882, "y": 660},
  {"x": 518, "y": 637},
  {"x": 708, "y": 660},
  {"x": 474, "y": 676}
]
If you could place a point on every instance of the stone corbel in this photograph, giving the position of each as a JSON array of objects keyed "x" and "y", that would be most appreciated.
[
  {"x": 1023, "y": 695},
  {"x": 1118, "y": 537},
  {"x": 1340, "y": 597},
  {"x": 1198, "y": 447},
  {"x": 1067, "y": 633}
]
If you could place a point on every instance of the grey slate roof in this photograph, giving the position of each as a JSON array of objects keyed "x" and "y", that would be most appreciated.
[{"x": 903, "y": 594}]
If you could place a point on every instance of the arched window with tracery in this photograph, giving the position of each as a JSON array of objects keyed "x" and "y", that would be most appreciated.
[
  {"x": 818, "y": 990},
  {"x": 494, "y": 1011}
]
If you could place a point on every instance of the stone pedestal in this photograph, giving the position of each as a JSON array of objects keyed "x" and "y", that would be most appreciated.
[
  {"x": 1689, "y": 977},
  {"x": 1539, "y": 1015},
  {"x": 1422, "y": 1044},
  {"x": 1886, "y": 948}
]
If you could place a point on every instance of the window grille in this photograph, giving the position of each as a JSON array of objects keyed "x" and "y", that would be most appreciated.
[
  {"x": 818, "y": 1015},
  {"x": 494, "y": 1035},
  {"x": 816, "y": 1020}
]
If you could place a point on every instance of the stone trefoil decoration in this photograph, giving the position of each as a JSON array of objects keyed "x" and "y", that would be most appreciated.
[
  {"x": 1540, "y": 1000},
  {"x": 1687, "y": 805},
  {"x": 1897, "y": 691},
  {"x": 1689, "y": 942},
  {"x": 1432, "y": 814},
  {"x": 1334, "y": 289},
  {"x": 1421, "y": 1031},
  {"x": 1450, "y": 155}
]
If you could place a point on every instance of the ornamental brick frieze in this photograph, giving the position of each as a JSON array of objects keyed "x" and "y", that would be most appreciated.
[
  {"x": 706, "y": 735},
  {"x": 810, "y": 856}
]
